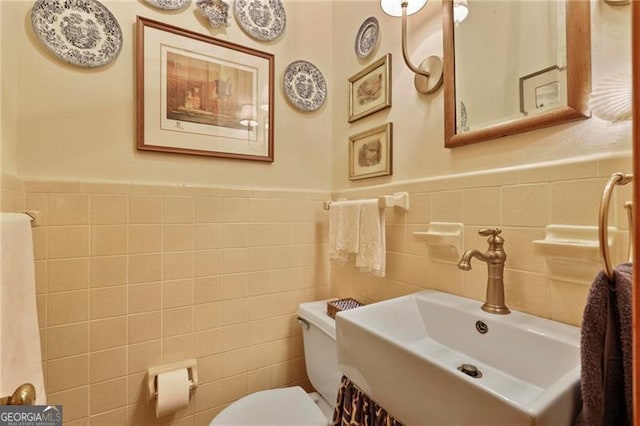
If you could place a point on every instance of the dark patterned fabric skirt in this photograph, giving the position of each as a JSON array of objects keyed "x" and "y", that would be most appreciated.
[{"x": 355, "y": 408}]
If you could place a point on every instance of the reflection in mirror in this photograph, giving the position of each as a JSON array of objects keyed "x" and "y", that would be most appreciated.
[
  {"x": 523, "y": 74},
  {"x": 537, "y": 76}
]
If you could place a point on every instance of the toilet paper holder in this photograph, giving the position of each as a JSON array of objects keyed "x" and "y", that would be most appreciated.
[{"x": 152, "y": 376}]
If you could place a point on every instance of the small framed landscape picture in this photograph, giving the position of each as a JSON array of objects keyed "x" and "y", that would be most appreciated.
[
  {"x": 370, "y": 89},
  {"x": 370, "y": 153}
]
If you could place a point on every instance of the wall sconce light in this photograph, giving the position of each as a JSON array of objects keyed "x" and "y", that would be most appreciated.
[
  {"x": 428, "y": 77},
  {"x": 460, "y": 10}
]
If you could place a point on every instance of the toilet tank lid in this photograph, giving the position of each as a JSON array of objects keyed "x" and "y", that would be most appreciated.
[{"x": 316, "y": 314}]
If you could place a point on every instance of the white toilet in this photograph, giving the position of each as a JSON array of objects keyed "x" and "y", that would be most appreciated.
[{"x": 293, "y": 406}]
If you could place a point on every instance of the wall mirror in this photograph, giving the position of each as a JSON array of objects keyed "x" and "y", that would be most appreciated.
[{"x": 514, "y": 66}]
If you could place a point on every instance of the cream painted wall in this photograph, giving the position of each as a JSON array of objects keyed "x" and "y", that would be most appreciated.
[
  {"x": 418, "y": 138},
  {"x": 76, "y": 123},
  {"x": 8, "y": 91},
  {"x": 86, "y": 123}
]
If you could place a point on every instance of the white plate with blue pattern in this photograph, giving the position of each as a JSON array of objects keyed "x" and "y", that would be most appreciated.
[
  {"x": 367, "y": 37},
  {"x": 81, "y": 32},
  {"x": 169, "y": 4},
  {"x": 263, "y": 20},
  {"x": 305, "y": 86}
]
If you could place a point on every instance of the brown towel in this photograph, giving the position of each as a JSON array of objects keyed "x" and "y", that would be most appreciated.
[{"x": 605, "y": 348}]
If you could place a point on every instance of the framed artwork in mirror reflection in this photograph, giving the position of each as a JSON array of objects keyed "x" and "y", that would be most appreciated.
[
  {"x": 370, "y": 89},
  {"x": 370, "y": 153},
  {"x": 543, "y": 90},
  {"x": 203, "y": 96}
]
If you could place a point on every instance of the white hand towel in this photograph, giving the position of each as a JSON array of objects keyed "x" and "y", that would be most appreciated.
[
  {"x": 344, "y": 225},
  {"x": 371, "y": 255},
  {"x": 20, "y": 358}
]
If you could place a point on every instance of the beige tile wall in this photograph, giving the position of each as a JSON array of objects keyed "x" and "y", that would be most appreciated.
[
  {"x": 520, "y": 201},
  {"x": 132, "y": 276}
]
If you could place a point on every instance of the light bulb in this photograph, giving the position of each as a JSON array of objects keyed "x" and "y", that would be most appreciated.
[{"x": 394, "y": 7}]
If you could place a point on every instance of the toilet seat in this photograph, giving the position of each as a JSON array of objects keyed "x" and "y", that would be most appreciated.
[{"x": 288, "y": 406}]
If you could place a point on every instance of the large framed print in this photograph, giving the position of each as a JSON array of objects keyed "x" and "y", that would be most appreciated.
[{"x": 200, "y": 95}]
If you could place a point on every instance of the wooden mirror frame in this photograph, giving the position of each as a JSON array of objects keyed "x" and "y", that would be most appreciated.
[
  {"x": 578, "y": 81},
  {"x": 635, "y": 46}
]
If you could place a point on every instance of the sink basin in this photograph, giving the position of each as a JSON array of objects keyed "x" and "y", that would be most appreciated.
[{"x": 405, "y": 353}]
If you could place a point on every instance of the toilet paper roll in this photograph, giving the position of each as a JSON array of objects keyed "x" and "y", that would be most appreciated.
[{"x": 173, "y": 391}]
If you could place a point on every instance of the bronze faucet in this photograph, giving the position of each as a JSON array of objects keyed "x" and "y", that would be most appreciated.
[{"x": 495, "y": 258}]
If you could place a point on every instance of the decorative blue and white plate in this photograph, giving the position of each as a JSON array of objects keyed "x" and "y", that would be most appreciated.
[
  {"x": 367, "y": 37},
  {"x": 81, "y": 32},
  {"x": 169, "y": 4},
  {"x": 305, "y": 86},
  {"x": 263, "y": 20},
  {"x": 216, "y": 11}
]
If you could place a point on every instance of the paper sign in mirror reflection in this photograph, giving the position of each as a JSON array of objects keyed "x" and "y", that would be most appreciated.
[{"x": 543, "y": 90}]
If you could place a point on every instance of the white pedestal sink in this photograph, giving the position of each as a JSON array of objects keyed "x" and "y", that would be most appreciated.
[{"x": 405, "y": 354}]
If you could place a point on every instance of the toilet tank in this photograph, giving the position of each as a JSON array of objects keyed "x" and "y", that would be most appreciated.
[{"x": 320, "y": 350}]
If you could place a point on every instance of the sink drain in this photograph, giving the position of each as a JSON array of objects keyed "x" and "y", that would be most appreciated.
[
  {"x": 470, "y": 370},
  {"x": 482, "y": 327}
]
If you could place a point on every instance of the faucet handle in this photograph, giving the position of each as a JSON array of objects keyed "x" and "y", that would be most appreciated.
[
  {"x": 494, "y": 239},
  {"x": 485, "y": 232}
]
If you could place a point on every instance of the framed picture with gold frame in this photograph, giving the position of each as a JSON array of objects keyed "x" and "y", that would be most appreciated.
[
  {"x": 370, "y": 89},
  {"x": 370, "y": 153},
  {"x": 202, "y": 96}
]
